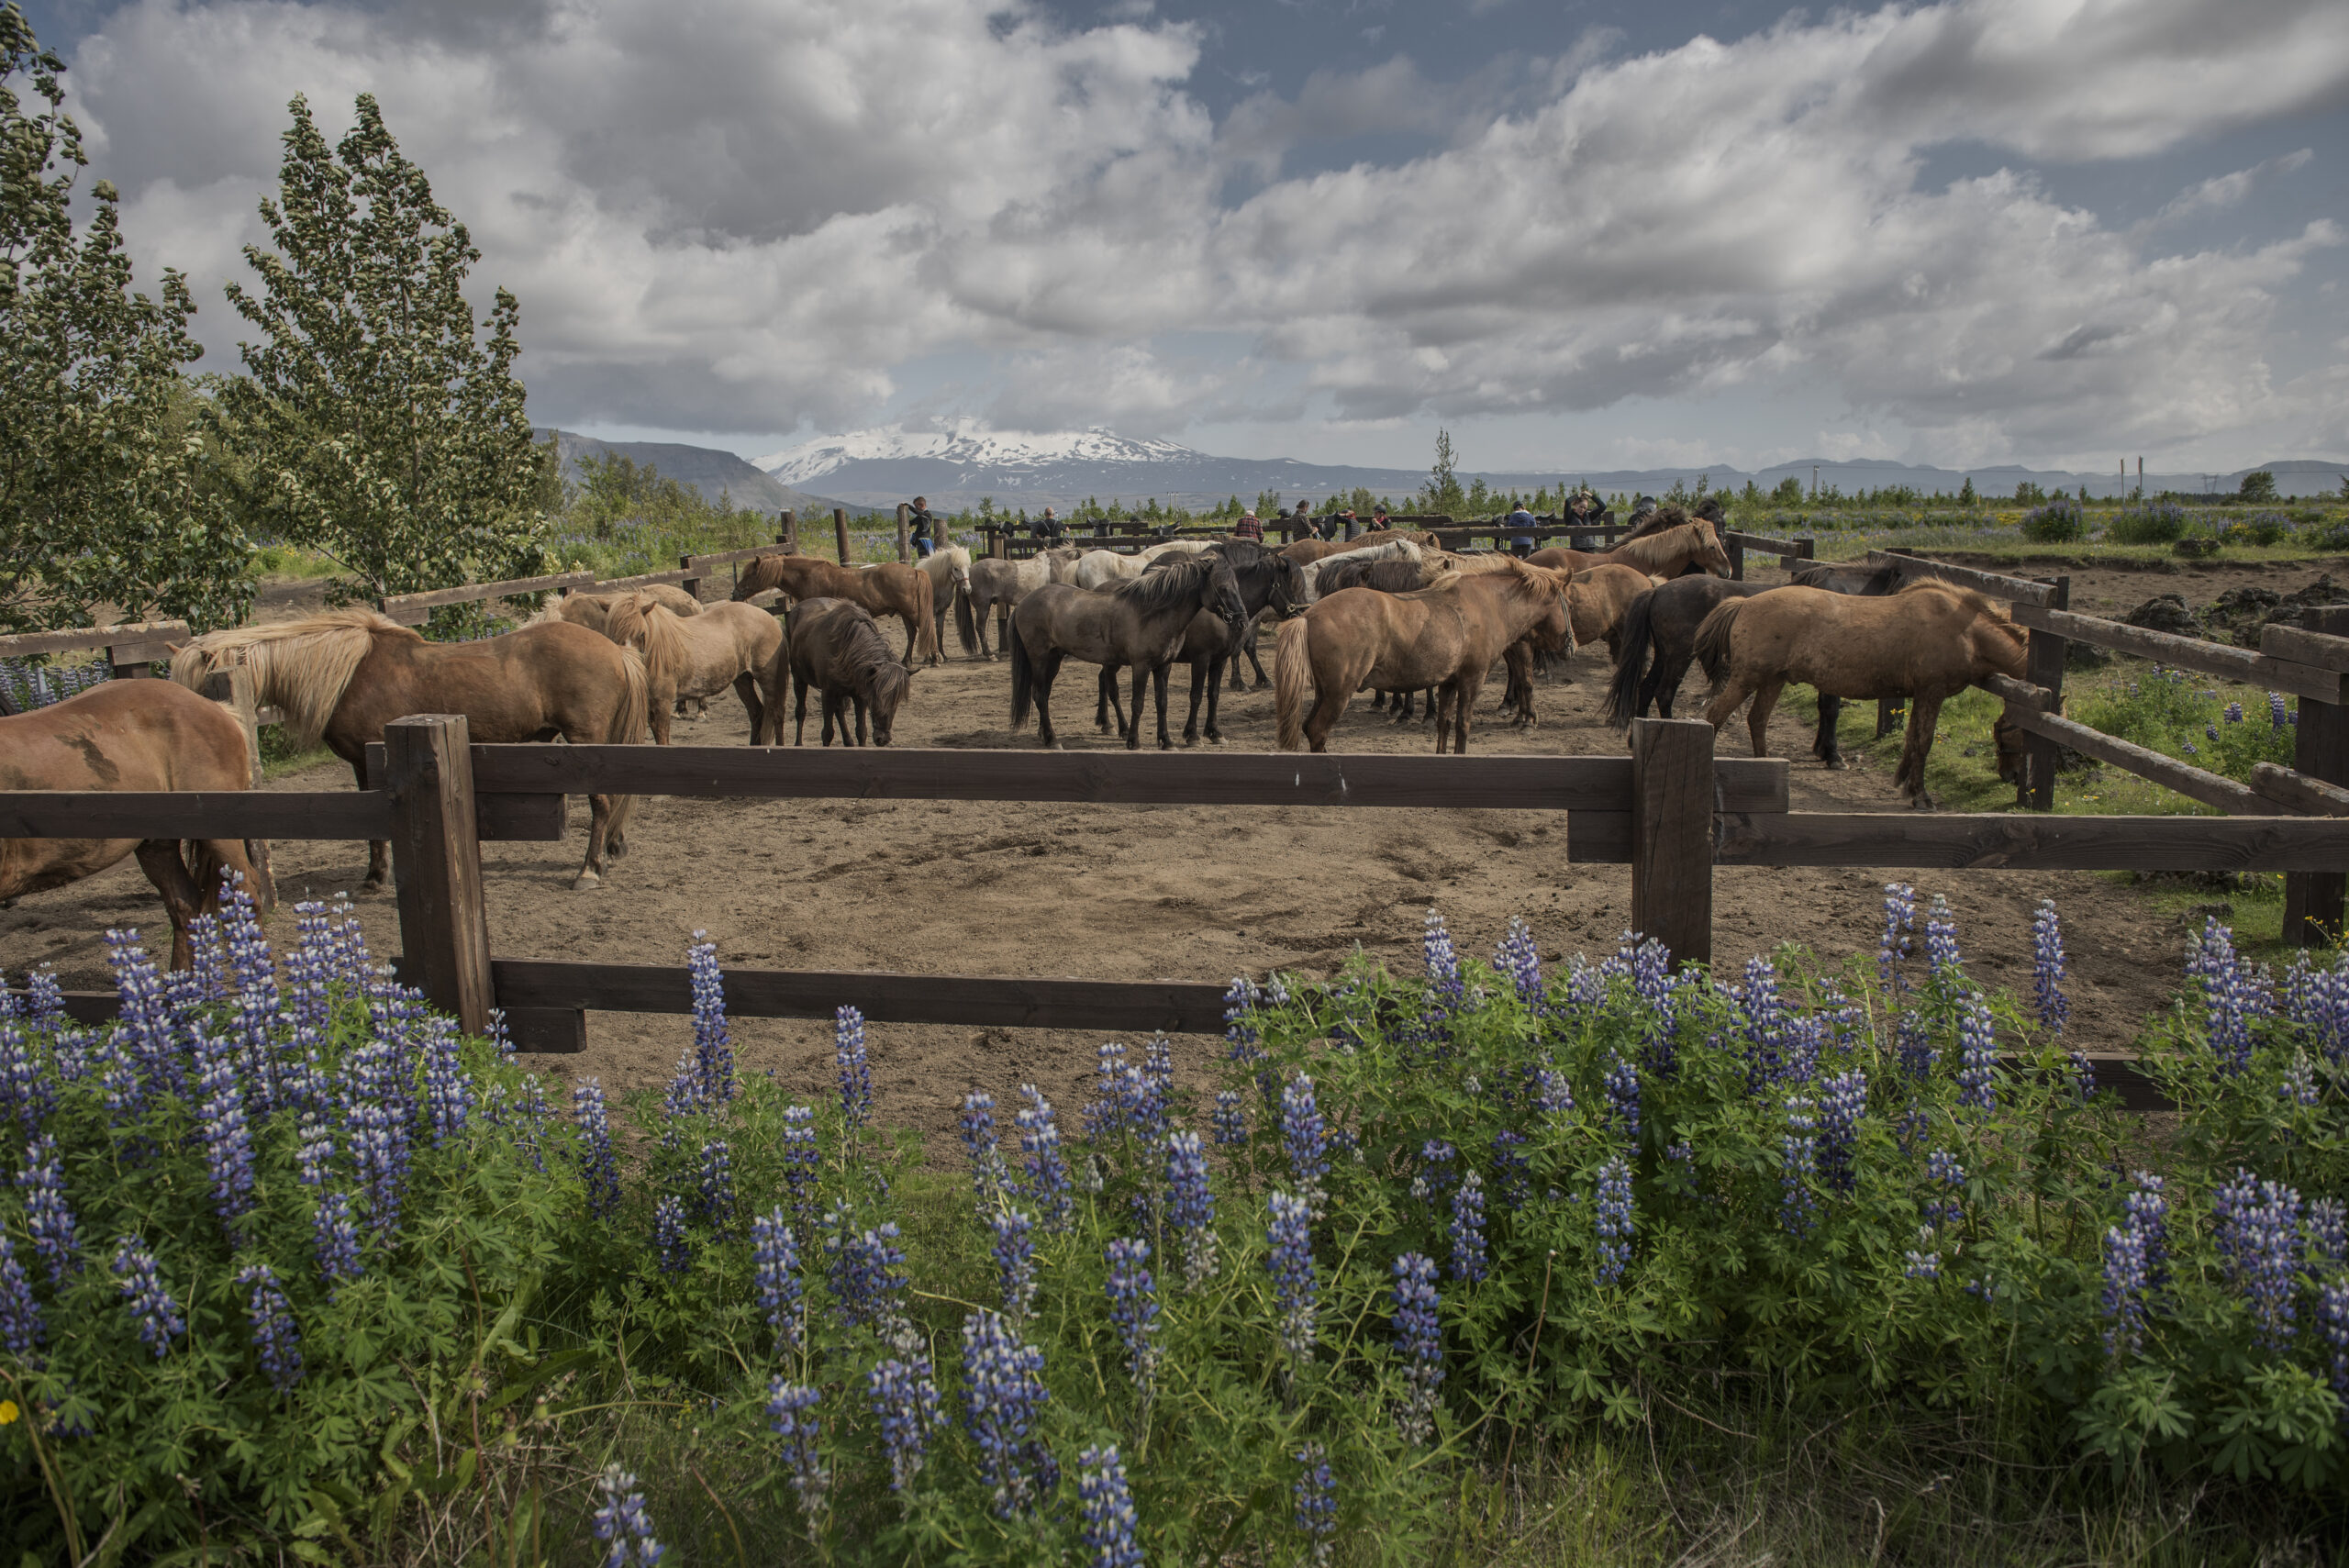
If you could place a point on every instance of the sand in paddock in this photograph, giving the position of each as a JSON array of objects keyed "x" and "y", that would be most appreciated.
[{"x": 1124, "y": 892}]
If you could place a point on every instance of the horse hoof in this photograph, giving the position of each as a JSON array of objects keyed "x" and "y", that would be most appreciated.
[{"x": 585, "y": 880}]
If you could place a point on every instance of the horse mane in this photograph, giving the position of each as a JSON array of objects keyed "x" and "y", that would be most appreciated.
[
  {"x": 866, "y": 652},
  {"x": 1652, "y": 549},
  {"x": 1974, "y": 599},
  {"x": 1170, "y": 580},
  {"x": 303, "y": 666},
  {"x": 652, "y": 628}
]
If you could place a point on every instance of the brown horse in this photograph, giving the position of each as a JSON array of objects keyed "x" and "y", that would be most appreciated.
[
  {"x": 132, "y": 735},
  {"x": 1668, "y": 553},
  {"x": 1926, "y": 642},
  {"x": 835, "y": 647},
  {"x": 692, "y": 660},
  {"x": 1595, "y": 603},
  {"x": 892, "y": 588},
  {"x": 1142, "y": 623},
  {"x": 344, "y": 675},
  {"x": 582, "y": 607},
  {"x": 1445, "y": 637}
]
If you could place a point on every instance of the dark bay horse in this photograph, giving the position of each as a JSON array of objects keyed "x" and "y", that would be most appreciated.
[
  {"x": 1142, "y": 623},
  {"x": 1268, "y": 581},
  {"x": 344, "y": 675},
  {"x": 838, "y": 649},
  {"x": 132, "y": 735}
]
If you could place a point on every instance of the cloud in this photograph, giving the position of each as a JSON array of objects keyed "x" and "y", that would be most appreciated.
[
  {"x": 745, "y": 214},
  {"x": 2222, "y": 191}
]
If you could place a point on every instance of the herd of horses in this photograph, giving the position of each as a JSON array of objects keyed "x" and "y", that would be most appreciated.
[{"x": 1391, "y": 612}]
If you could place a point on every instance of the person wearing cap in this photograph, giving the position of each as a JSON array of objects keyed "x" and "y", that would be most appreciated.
[
  {"x": 917, "y": 525},
  {"x": 1250, "y": 526},
  {"x": 1522, "y": 524}
]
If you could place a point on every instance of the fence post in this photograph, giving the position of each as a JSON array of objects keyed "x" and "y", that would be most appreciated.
[
  {"x": 2046, "y": 669},
  {"x": 1734, "y": 545},
  {"x": 789, "y": 538},
  {"x": 691, "y": 584},
  {"x": 901, "y": 509},
  {"x": 2312, "y": 900},
  {"x": 1672, "y": 835},
  {"x": 840, "y": 532},
  {"x": 436, "y": 860}
]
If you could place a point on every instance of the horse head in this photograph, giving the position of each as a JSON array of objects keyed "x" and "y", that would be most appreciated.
[{"x": 1710, "y": 554}]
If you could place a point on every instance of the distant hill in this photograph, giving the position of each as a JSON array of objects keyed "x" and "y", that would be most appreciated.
[{"x": 713, "y": 473}]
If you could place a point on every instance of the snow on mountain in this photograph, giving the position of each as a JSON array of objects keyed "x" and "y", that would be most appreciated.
[{"x": 966, "y": 446}]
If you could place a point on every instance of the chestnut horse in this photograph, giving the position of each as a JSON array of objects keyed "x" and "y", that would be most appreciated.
[
  {"x": 1668, "y": 553},
  {"x": 692, "y": 660},
  {"x": 1445, "y": 637},
  {"x": 1143, "y": 623},
  {"x": 835, "y": 647},
  {"x": 1597, "y": 601},
  {"x": 344, "y": 675},
  {"x": 580, "y": 606},
  {"x": 132, "y": 735},
  {"x": 995, "y": 582},
  {"x": 1926, "y": 642},
  {"x": 891, "y": 588}
]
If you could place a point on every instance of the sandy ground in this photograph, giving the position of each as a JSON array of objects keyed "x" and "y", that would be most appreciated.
[{"x": 1125, "y": 892}]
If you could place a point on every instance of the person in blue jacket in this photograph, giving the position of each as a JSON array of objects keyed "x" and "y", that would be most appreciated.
[{"x": 1521, "y": 525}]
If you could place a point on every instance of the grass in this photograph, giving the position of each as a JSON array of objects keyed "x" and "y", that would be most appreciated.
[{"x": 1996, "y": 530}]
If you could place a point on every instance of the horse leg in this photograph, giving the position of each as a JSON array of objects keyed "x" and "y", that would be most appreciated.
[
  {"x": 799, "y": 686},
  {"x": 912, "y": 633},
  {"x": 1204, "y": 671},
  {"x": 1158, "y": 685},
  {"x": 1719, "y": 711},
  {"x": 1141, "y": 690},
  {"x": 746, "y": 687},
  {"x": 1048, "y": 669},
  {"x": 1827, "y": 747},
  {"x": 379, "y": 850},
  {"x": 1214, "y": 686},
  {"x": 1378, "y": 702},
  {"x": 1924, "y": 717},
  {"x": 1249, "y": 648},
  {"x": 1758, "y": 723},
  {"x": 160, "y": 858},
  {"x": 864, "y": 738}
]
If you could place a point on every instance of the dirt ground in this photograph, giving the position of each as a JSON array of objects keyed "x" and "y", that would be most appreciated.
[
  {"x": 2113, "y": 589},
  {"x": 1127, "y": 893}
]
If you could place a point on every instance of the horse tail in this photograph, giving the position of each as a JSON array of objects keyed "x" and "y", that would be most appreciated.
[
  {"x": 631, "y": 723},
  {"x": 1023, "y": 675},
  {"x": 966, "y": 625},
  {"x": 1630, "y": 665},
  {"x": 1292, "y": 679},
  {"x": 926, "y": 624},
  {"x": 1712, "y": 639}
]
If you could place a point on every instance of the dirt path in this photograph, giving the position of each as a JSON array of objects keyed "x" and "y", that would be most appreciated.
[{"x": 1124, "y": 893}]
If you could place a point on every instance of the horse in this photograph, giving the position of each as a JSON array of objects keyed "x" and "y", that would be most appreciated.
[
  {"x": 1268, "y": 581},
  {"x": 582, "y": 607},
  {"x": 1107, "y": 568},
  {"x": 997, "y": 582},
  {"x": 1306, "y": 552},
  {"x": 1597, "y": 601},
  {"x": 836, "y": 648},
  {"x": 1446, "y": 637},
  {"x": 1925, "y": 642},
  {"x": 692, "y": 660},
  {"x": 132, "y": 735},
  {"x": 947, "y": 567},
  {"x": 1317, "y": 572},
  {"x": 891, "y": 588},
  {"x": 1668, "y": 553},
  {"x": 1143, "y": 623},
  {"x": 343, "y": 675}
]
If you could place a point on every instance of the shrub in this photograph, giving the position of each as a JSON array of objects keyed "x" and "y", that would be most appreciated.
[
  {"x": 2058, "y": 522},
  {"x": 2153, "y": 522},
  {"x": 2171, "y": 712}
]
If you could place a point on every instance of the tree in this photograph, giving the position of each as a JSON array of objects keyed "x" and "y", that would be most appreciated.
[
  {"x": 1441, "y": 492},
  {"x": 378, "y": 428},
  {"x": 1965, "y": 497},
  {"x": 2257, "y": 485},
  {"x": 1788, "y": 493},
  {"x": 103, "y": 498}
]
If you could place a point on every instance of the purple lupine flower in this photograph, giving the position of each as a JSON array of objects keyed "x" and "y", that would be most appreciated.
[
  {"x": 25, "y": 1090},
  {"x": 1446, "y": 993},
  {"x": 1942, "y": 956},
  {"x": 775, "y": 1270},
  {"x": 448, "y": 1090},
  {"x": 2315, "y": 999},
  {"x": 713, "y": 1042},
  {"x": 1470, "y": 1255},
  {"x": 856, "y": 1075},
  {"x": 598, "y": 1168},
  {"x": 904, "y": 1395},
  {"x": 1104, "y": 1119},
  {"x": 2235, "y": 993},
  {"x": 622, "y": 1521},
  {"x": 1133, "y": 1309},
  {"x": 1911, "y": 1046},
  {"x": 1623, "y": 1101},
  {"x": 2258, "y": 1226},
  {"x": 1240, "y": 1034},
  {"x": 2327, "y": 1228},
  {"x": 1433, "y": 1183},
  {"x": 1653, "y": 983},
  {"x": 2047, "y": 967},
  {"x": 1291, "y": 1264},
  {"x": 669, "y": 1242},
  {"x": 2332, "y": 1320},
  {"x": 802, "y": 1162},
  {"x": 714, "y": 1187},
  {"x": 1616, "y": 1225},
  {"x": 1520, "y": 959},
  {"x": 1978, "y": 1055},
  {"x": 1014, "y": 1261},
  {"x": 1762, "y": 1021},
  {"x": 2146, "y": 1208},
  {"x": 227, "y": 1142},
  {"x": 1190, "y": 1206},
  {"x": 1003, "y": 1390},
  {"x": 1798, "y": 1163},
  {"x": 48, "y": 1216},
  {"x": 1231, "y": 1117},
  {"x": 1683, "y": 1156},
  {"x": 379, "y": 1149},
  {"x": 1109, "y": 1507},
  {"x": 1045, "y": 1183},
  {"x": 1842, "y": 1100},
  {"x": 1301, "y": 1136},
  {"x": 2278, "y": 717},
  {"x": 1839, "y": 1021},
  {"x": 137, "y": 1276},
  {"x": 1511, "y": 1167},
  {"x": 1923, "y": 1264},
  {"x": 21, "y": 1329},
  {"x": 1317, "y": 1502},
  {"x": 980, "y": 1144},
  {"x": 2297, "y": 1086},
  {"x": 44, "y": 998},
  {"x": 2126, "y": 1278},
  {"x": 863, "y": 1267},
  {"x": 144, "y": 1031},
  {"x": 276, "y": 1341},
  {"x": 1900, "y": 920},
  {"x": 334, "y": 1240},
  {"x": 1553, "y": 1096},
  {"x": 1586, "y": 987},
  {"x": 1941, "y": 1167},
  {"x": 791, "y": 1411},
  {"x": 1158, "y": 1068},
  {"x": 1418, "y": 1343},
  {"x": 501, "y": 1039}
]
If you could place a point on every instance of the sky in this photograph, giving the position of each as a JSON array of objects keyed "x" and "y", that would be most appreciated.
[{"x": 1579, "y": 234}]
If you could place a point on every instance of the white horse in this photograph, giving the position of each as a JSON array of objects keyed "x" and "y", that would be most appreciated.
[
  {"x": 948, "y": 570},
  {"x": 994, "y": 582},
  {"x": 1393, "y": 549},
  {"x": 1107, "y": 568}
]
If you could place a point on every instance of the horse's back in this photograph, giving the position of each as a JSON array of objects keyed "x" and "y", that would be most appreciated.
[{"x": 126, "y": 735}]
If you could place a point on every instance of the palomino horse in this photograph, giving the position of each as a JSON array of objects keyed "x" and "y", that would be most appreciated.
[
  {"x": 948, "y": 570},
  {"x": 1668, "y": 553},
  {"x": 580, "y": 607},
  {"x": 1445, "y": 637},
  {"x": 836, "y": 648},
  {"x": 1142, "y": 623},
  {"x": 1005, "y": 583},
  {"x": 346, "y": 673},
  {"x": 692, "y": 660},
  {"x": 1597, "y": 601},
  {"x": 891, "y": 588},
  {"x": 132, "y": 735},
  {"x": 1926, "y": 643}
]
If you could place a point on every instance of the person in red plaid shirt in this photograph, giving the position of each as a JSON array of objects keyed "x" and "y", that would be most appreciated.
[{"x": 1250, "y": 526}]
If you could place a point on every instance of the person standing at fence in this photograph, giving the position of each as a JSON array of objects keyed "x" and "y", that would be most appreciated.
[
  {"x": 919, "y": 524},
  {"x": 1522, "y": 524},
  {"x": 1047, "y": 527},
  {"x": 1250, "y": 526},
  {"x": 1378, "y": 518}
]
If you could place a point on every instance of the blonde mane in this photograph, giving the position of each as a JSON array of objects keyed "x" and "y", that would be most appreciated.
[
  {"x": 302, "y": 666},
  {"x": 1651, "y": 552},
  {"x": 641, "y": 622},
  {"x": 1974, "y": 599}
]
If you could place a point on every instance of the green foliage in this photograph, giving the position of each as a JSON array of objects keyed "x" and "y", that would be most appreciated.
[
  {"x": 2257, "y": 486},
  {"x": 1442, "y": 494},
  {"x": 2029, "y": 495},
  {"x": 2058, "y": 522},
  {"x": 1788, "y": 493},
  {"x": 1965, "y": 497},
  {"x": 103, "y": 497},
  {"x": 2173, "y": 713},
  {"x": 376, "y": 427},
  {"x": 2156, "y": 522}
]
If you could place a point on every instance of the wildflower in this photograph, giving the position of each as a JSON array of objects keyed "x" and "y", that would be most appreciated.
[
  {"x": 1909, "y": 1044},
  {"x": 143, "y": 1030},
  {"x": 1762, "y": 1021},
  {"x": 1190, "y": 1206},
  {"x": 1941, "y": 940},
  {"x": 1923, "y": 1264},
  {"x": 1899, "y": 918},
  {"x": 979, "y": 1143},
  {"x": 1470, "y": 1255},
  {"x": 774, "y": 1263},
  {"x": 1047, "y": 1180},
  {"x": 1614, "y": 1218},
  {"x": 621, "y": 1520},
  {"x": 1586, "y": 987},
  {"x": 669, "y": 1238},
  {"x": 1109, "y": 1507},
  {"x": 1291, "y": 1263},
  {"x": 1511, "y": 1167},
  {"x": 863, "y": 1267},
  {"x": 1133, "y": 1309},
  {"x": 1014, "y": 1261},
  {"x": 1317, "y": 1502},
  {"x": 1798, "y": 1163},
  {"x": 2235, "y": 713},
  {"x": 1978, "y": 1055},
  {"x": 2277, "y": 718},
  {"x": 2328, "y": 1228},
  {"x": 276, "y": 1339},
  {"x": 21, "y": 1329},
  {"x": 1309, "y": 1159},
  {"x": 2299, "y": 1084},
  {"x": 1518, "y": 958},
  {"x": 1231, "y": 1117},
  {"x": 1419, "y": 1341},
  {"x": 1239, "y": 1034},
  {"x": 791, "y": 1411},
  {"x": 597, "y": 1166},
  {"x": 1002, "y": 1392},
  {"x": 2258, "y": 1226},
  {"x": 1553, "y": 1096},
  {"x": 2333, "y": 1318},
  {"x": 1941, "y": 1166},
  {"x": 801, "y": 1161},
  {"x": 24, "y": 1089},
  {"x": 142, "y": 1287},
  {"x": 379, "y": 1147},
  {"x": 1653, "y": 982},
  {"x": 1624, "y": 1100},
  {"x": 1445, "y": 992},
  {"x": 856, "y": 1075},
  {"x": 2047, "y": 967},
  {"x": 2233, "y": 993},
  {"x": 904, "y": 1395},
  {"x": 1434, "y": 1183},
  {"x": 48, "y": 1216},
  {"x": 2190, "y": 748},
  {"x": 335, "y": 1240},
  {"x": 713, "y": 1042},
  {"x": 1842, "y": 1100}
]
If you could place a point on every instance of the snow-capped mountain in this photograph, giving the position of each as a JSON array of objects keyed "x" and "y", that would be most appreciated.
[{"x": 969, "y": 448}]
